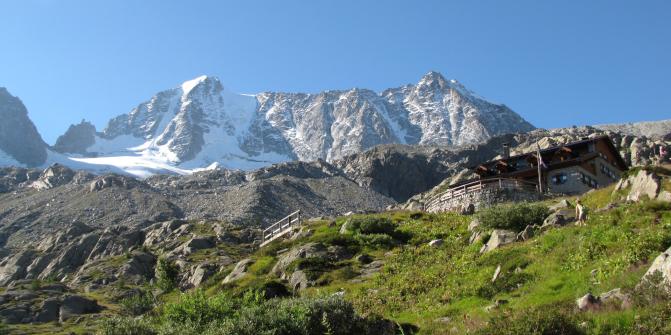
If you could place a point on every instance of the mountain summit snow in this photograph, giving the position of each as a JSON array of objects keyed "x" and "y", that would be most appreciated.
[{"x": 201, "y": 123}]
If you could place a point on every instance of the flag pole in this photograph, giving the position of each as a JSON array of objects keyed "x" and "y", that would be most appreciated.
[{"x": 538, "y": 164}]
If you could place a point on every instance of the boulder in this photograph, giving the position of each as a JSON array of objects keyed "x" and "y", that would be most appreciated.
[
  {"x": 476, "y": 236},
  {"x": 308, "y": 250},
  {"x": 560, "y": 217},
  {"x": 499, "y": 238},
  {"x": 75, "y": 305},
  {"x": 528, "y": 232},
  {"x": 436, "y": 243},
  {"x": 614, "y": 298},
  {"x": 299, "y": 281},
  {"x": 617, "y": 298},
  {"x": 239, "y": 270},
  {"x": 497, "y": 272},
  {"x": 15, "y": 314},
  {"x": 643, "y": 183},
  {"x": 201, "y": 273},
  {"x": 197, "y": 243},
  {"x": 15, "y": 267},
  {"x": 664, "y": 196},
  {"x": 53, "y": 176},
  {"x": 588, "y": 302},
  {"x": 139, "y": 268},
  {"x": 49, "y": 310},
  {"x": 662, "y": 264},
  {"x": 475, "y": 223}
]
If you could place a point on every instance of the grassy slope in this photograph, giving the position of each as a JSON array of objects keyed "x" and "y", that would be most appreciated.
[{"x": 420, "y": 284}]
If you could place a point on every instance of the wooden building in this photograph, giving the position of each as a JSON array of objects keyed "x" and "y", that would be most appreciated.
[{"x": 572, "y": 168}]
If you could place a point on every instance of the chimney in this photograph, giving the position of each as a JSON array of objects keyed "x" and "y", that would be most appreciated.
[{"x": 506, "y": 151}]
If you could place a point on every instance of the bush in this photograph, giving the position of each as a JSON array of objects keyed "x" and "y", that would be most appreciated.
[
  {"x": 166, "y": 275},
  {"x": 137, "y": 304},
  {"x": 197, "y": 308},
  {"x": 541, "y": 321},
  {"x": 513, "y": 217},
  {"x": 125, "y": 326}
]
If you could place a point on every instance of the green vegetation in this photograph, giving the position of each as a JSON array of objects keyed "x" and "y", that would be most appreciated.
[
  {"x": 197, "y": 313},
  {"x": 446, "y": 289},
  {"x": 513, "y": 216},
  {"x": 166, "y": 275}
]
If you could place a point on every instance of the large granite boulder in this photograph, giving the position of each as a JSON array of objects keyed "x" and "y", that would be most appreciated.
[
  {"x": 499, "y": 238},
  {"x": 239, "y": 270}
]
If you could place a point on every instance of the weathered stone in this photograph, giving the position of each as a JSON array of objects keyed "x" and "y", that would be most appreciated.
[
  {"x": 305, "y": 251},
  {"x": 664, "y": 196},
  {"x": 468, "y": 209},
  {"x": 14, "y": 315},
  {"x": 528, "y": 232},
  {"x": 644, "y": 183},
  {"x": 49, "y": 310},
  {"x": 588, "y": 302},
  {"x": 662, "y": 264},
  {"x": 498, "y": 239},
  {"x": 197, "y": 243},
  {"x": 15, "y": 267},
  {"x": 75, "y": 305},
  {"x": 436, "y": 243},
  {"x": 497, "y": 272},
  {"x": 298, "y": 281},
  {"x": 239, "y": 270},
  {"x": 475, "y": 223},
  {"x": 139, "y": 268},
  {"x": 201, "y": 273},
  {"x": 617, "y": 298},
  {"x": 476, "y": 236}
]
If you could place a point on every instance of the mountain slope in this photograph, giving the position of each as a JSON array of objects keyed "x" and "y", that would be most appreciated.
[
  {"x": 20, "y": 143},
  {"x": 202, "y": 123}
]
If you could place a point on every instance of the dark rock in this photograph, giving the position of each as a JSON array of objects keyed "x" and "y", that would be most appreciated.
[
  {"x": 73, "y": 305},
  {"x": 49, "y": 310}
]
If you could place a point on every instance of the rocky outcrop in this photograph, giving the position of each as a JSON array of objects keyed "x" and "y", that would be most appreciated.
[
  {"x": 76, "y": 139},
  {"x": 499, "y": 238},
  {"x": 19, "y": 138},
  {"x": 139, "y": 268},
  {"x": 239, "y": 270},
  {"x": 73, "y": 305},
  {"x": 642, "y": 184},
  {"x": 54, "y": 176},
  {"x": 661, "y": 264},
  {"x": 614, "y": 298}
]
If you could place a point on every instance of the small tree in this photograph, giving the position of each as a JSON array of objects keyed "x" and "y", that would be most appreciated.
[{"x": 166, "y": 275}]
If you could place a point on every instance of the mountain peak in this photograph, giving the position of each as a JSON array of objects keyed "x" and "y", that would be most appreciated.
[{"x": 189, "y": 85}]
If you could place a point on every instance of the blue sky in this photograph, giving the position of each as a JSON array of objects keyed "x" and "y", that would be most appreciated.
[{"x": 557, "y": 63}]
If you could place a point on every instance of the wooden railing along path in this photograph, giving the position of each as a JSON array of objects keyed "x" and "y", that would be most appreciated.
[
  {"x": 480, "y": 185},
  {"x": 281, "y": 227}
]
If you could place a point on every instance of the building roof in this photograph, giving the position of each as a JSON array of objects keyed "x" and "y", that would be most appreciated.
[{"x": 507, "y": 166}]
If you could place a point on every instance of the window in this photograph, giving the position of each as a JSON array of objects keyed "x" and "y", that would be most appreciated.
[{"x": 559, "y": 178}]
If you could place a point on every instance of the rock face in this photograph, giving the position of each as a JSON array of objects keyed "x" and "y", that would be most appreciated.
[
  {"x": 239, "y": 270},
  {"x": 202, "y": 122},
  {"x": 76, "y": 139},
  {"x": 19, "y": 140},
  {"x": 642, "y": 184}
]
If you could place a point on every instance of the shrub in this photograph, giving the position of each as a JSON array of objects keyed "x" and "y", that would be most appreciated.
[
  {"x": 124, "y": 326},
  {"x": 513, "y": 217},
  {"x": 376, "y": 240},
  {"x": 137, "y": 304},
  {"x": 540, "y": 321},
  {"x": 196, "y": 308},
  {"x": 166, "y": 275}
]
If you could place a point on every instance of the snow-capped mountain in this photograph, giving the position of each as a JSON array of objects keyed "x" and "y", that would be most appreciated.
[{"x": 201, "y": 123}]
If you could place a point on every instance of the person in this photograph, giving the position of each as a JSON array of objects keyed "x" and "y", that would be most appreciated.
[{"x": 580, "y": 213}]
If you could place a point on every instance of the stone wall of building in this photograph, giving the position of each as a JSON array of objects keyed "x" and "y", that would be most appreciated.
[{"x": 483, "y": 199}]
